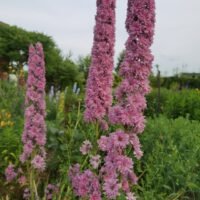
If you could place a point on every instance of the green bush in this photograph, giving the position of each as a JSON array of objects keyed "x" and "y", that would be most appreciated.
[
  {"x": 169, "y": 169},
  {"x": 153, "y": 102},
  {"x": 12, "y": 104},
  {"x": 190, "y": 80},
  {"x": 10, "y": 147},
  {"x": 173, "y": 104},
  {"x": 12, "y": 98}
]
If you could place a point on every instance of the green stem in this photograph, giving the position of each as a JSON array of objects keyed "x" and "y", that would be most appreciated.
[
  {"x": 68, "y": 191},
  {"x": 179, "y": 195},
  {"x": 78, "y": 115},
  {"x": 31, "y": 184},
  {"x": 35, "y": 188},
  {"x": 85, "y": 161},
  {"x": 97, "y": 130}
]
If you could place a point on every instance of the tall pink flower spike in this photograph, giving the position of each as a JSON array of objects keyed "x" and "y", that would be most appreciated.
[
  {"x": 99, "y": 84},
  {"x": 34, "y": 134},
  {"x": 136, "y": 66},
  {"x": 116, "y": 174},
  {"x": 130, "y": 95}
]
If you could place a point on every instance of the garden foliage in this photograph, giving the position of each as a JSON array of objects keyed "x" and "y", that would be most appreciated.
[{"x": 174, "y": 103}]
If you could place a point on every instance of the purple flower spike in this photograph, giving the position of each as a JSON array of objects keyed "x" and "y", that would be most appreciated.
[
  {"x": 136, "y": 66},
  {"x": 34, "y": 134},
  {"x": 99, "y": 83},
  {"x": 115, "y": 172}
]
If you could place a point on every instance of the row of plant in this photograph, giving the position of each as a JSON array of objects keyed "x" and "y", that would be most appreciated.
[
  {"x": 64, "y": 158},
  {"x": 190, "y": 80},
  {"x": 174, "y": 103},
  {"x": 168, "y": 170},
  {"x": 107, "y": 171}
]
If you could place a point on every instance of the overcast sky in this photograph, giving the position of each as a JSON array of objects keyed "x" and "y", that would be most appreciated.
[{"x": 70, "y": 23}]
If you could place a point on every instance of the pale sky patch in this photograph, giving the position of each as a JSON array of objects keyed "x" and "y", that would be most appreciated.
[{"x": 70, "y": 23}]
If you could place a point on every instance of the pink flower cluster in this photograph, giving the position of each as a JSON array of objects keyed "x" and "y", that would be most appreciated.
[
  {"x": 130, "y": 94},
  {"x": 22, "y": 180},
  {"x": 34, "y": 137},
  {"x": 99, "y": 83},
  {"x": 136, "y": 66},
  {"x": 95, "y": 161},
  {"x": 116, "y": 173},
  {"x": 86, "y": 147},
  {"x": 10, "y": 173},
  {"x": 86, "y": 184},
  {"x": 26, "y": 194},
  {"x": 50, "y": 191}
]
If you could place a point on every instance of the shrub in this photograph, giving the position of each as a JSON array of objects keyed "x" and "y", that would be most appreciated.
[
  {"x": 12, "y": 98},
  {"x": 170, "y": 166},
  {"x": 173, "y": 104}
]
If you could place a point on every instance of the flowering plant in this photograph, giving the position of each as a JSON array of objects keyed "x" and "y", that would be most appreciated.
[
  {"x": 115, "y": 169},
  {"x": 34, "y": 134}
]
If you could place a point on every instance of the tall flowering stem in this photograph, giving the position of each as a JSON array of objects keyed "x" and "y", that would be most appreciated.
[
  {"x": 99, "y": 83},
  {"x": 34, "y": 134},
  {"x": 130, "y": 95},
  {"x": 136, "y": 66},
  {"x": 115, "y": 171}
]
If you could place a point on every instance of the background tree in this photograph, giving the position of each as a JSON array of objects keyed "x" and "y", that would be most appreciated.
[
  {"x": 84, "y": 64},
  {"x": 67, "y": 74},
  {"x": 119, "y": 60},
  {"x": 60, "y": 71}
]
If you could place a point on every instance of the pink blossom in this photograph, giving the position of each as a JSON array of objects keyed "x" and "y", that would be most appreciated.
[
  {"x": 132, "y": 178},
  {"x": 111, "y": 188},
  {"x": 40, "y": 85},
  {"x": 10, "y": 173},
  {"x": 29, "y": 111},
  {"x": 120, "y": 139},
  {"x": 85, "y": 184},
  {"x": 116, "y": 140},
  {"x": 95, "y": 196},
  {"x": 23, "y": 157},
  {"x": 22, "y": 180},
  {"x": 125, "y": 185},
  {"x": 108, "y": 170},
  {"x": 95, "y": 161},
  {"x": 86, "y": 147},
  {"x": 28, "y": 147},
  {"x": 130, "y": 196},
  {"x": 26, "y": 194},
  {"x": 124, "y": 164},
  {"x": 103, "y": 143},
  {"x": 50, "y": 191},
  {"x": 134, "y": 140},
  {"x": 103, "y": 125},
  {"x": 74, "y": 171},
  {"x": 38, "y": 162}
]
